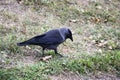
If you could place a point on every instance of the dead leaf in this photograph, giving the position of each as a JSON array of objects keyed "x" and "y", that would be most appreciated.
[
  {"x": 74, "y": 21},
  {"x": 102, "y": 43},
  {"x": 46, "y": 58},
  {"x": 110, "y": 47}
]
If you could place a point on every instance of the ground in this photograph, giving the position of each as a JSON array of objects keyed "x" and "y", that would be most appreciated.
[
  {"x": 26, "y": 21},
  {"x": 72, "y": 76}
]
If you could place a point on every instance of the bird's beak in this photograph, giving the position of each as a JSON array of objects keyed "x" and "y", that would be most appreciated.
[
  {"x": 71, "y": 38},
  {"x": 70, "y": 35}
]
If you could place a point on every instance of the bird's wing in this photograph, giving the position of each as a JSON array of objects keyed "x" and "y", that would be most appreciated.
[
  {"x": 51, "y": 37},
  {"x": 35, "y": 40}
]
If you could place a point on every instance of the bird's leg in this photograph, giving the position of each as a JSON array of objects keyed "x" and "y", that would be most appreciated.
[
  {"x": 43, "y": 51},
  {"x": 57, "y": 52}
]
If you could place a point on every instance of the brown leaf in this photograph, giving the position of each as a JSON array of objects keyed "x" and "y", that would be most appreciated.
[
  {"x": 102, "y": 43},
  {"x": 46, "y": 58}
]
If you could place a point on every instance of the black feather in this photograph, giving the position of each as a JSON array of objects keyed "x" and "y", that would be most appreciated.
[{"x": 50, "y": 39}]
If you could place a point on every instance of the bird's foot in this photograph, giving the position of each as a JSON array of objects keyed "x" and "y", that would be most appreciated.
[{"x": 59, "y": 55}]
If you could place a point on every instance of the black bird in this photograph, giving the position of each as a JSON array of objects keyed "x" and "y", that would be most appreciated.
[{"x": 50, "y": 39}]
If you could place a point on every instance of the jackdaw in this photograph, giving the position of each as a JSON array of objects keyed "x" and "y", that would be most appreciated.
[{"x": 50, "y": 39}]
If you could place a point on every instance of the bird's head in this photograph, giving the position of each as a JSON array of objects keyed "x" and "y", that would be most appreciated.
[
  {"x": 69, "y": 34},
  {"x": 66, "y": 33}
]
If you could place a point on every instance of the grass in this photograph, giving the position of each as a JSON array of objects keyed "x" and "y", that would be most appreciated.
[
  {"x": 107, "y": 62},
  {"x": 95, "y": 47}
]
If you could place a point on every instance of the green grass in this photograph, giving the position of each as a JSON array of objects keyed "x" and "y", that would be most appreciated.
[{"x": 106, "y": 62}]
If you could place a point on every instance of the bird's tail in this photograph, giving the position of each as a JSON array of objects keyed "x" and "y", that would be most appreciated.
[{"x": 22, "y": 44}]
